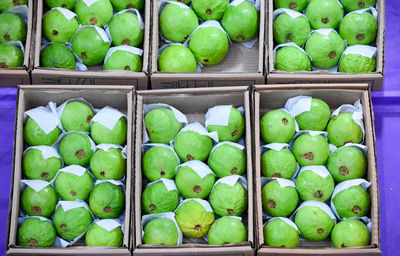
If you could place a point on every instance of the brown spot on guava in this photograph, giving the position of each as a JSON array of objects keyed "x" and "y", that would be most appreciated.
[
  {"x": 197, "y": 189},
  {"x": 234, "y": 170},
  {"x": 186, "y": 37},
  {"x": 342, "y": 245},
  {"x": 289, "y": 37},
  {"x": 208, "y": 11},
  {"x": 271, "y": 204},
  {"x": 320, "y": 230},
  {"x": 229, "y": 211},
  {"x": 360, "y": 37},
  {"x": 324, "y": 20},
  {"x": 55, "y": 32},
  {"x": 80, "y": 154},
  {"x": 343, "y": 171},
  {"x": 32, "y": 242},
  {"x": 318, "y": 194},
  {"x": 7, "y": 37},
  {"x": 197, "y": 227},
  {"x": 314, "y": 212},
  {"x": 44, "y": 175},
  {"x": 205, "y": 60},
  {"x": 127, "y": 67},
  {"x": 64, "y": 6},
  {"x": 93, "y": 21},
  {"x": 361, "y": 4},
  {"x": 152, "y": 207},
  {"x": 162, "y": 173},
  {"x": 88, "y": 119},
  {"x": 103, "y": 173},
  {"x": 332, "y": 54},
  {"x": 308, "y": 156},
  {"x": 241, "y": 38},
  {"x": 72, "y": 193},
  {"x": 284, "y": 121},
  {"x": 83, "y": 54},
  {"x": 129, "y": 6},
  {"x": 234, "y": 133},
  {"x": 276, "y": 175},
  {"x": 356, "y": 209},
  {"x": 36, "y": 209},
  {"x": 190, "y": 157},
  {"x": 126, "y": 42},
  {"x": 107, "y": 209},
  {"x": 3, "y": 65},
  {"x": 63, "y": 227},
  {"x": 292, "y": 5}
]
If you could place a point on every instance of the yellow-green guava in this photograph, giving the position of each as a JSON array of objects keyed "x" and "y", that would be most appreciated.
[
  {"x": 35, "y": 232},
  {"x": 101, "y": 134},
  {"x": 357, "y": 63},
  {"x": 57, "y": 56},
  {"x": 278, "y": 164},
  {"x": 125, "y": 30},
  {"x": 68, "y": 4},
  {"x": 358, "y": 28},
  {"x": 57, "y": 28},
  {"x": 296, "y": 5},
  {"x": 350, "y": 233},
  {"x": 191, "y": 145},
  {"x": 210, "y": 9},
  {"x": 278, "y": 201},
  {"x": 12, "y": 28},
  {"x": 98, "y": 236},
  {"x": 290, "y": 58},
  {"x": 40, "y": 203},
  {"x": 233, "y": 131},
  {"x": 191, "y": 185},
  {"x": 8, "y": 4},
  {"x": 35, "y": 136},
  {"x": 107, "y": 201},
  {"x": 123, "y": 60},
  {"x": 160, "y": 231},
  {"x": 347, "y": 163},
  {"x": 35, "y": 167},
  {"x": 227, "y": 200},
  {"x": 352, "y": 202},
  {"x": 317, "y": 118},
  {"x": 177, "y": 58},
  {"x": 227, "y": 230},
  {"x": 71, "y": 187},
  {"x": 75, "y": 148},
  {"x": 278, "y": 233},
  {"x": 108, "y": 165},
  {"x": 161, "y": 125},
  {"x": 226, "y": 160},
  {"x": 98, "y": 14},
  {"x": 120, "y": 5},
  {"x": 311, "y": 150},
  {"x": 311, "y": 186},
  {"x": 351, "y": 5},
  {"x": 159, "y": 162},
  {"x": 324, "y": 13},
  {"x": 70, "y": 224},
  {"x": 277, "y": 126},
  {"x": 11, "y": 56},
  {"x": 342, "y": 129},
  {"x": 157, "y": 199},
  {"x": 77, "y": 116},
  {"x": 288, "y": 29}
]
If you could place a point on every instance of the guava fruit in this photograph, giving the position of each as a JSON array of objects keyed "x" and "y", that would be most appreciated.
[
  {"x": 35, "y": 232},
  {"x": 278, "y": 164},
  {"x": 71, "y": 187},
  {"x": 123, "y": 60},
  {"x": 193, "y": 219},
  {"x": 324, "y": 13},
  {"x": 177, "y": 23},
  {"x": 317, "y": 118},
  {"x": 101, "y": 134},
  {"x": 227, "y": 230},
  {"x": 57, "y": 56},
  {"x": 35, "y": 167},
  {"x": 241, "y": 22},
  {"x": 177, "y": 58},
  {"x": 351, "y": 5},
  {"x": 159, "y": 162},
  {"x": 76, "y": 148},
  {"x": 314, "y": 223},
  {"x": 12, "y": 28},
  {"x": 160, "y": 231},
  {"x": 325, "y": 50},
  {"x": 347, "y": 163},
  {"x": 108, "y": 165},
  {"x": 277, "y": 126},
  {"x": 70, "y": 224},
  {"x": 311, "y": 150},
  {"x": 311, "y": 186},
  {"x": 89, "y": 46},
  {"x": 352, "y": 202},
  {"x": 342, "y": 129},
  {"x": 125, "y": 30},
  {"x": 107, "y": 201},
  {"x": 287, "y": 29},
  {"x": 226, "y": 160},
  {"x": 209, "y": 45},
  {"x": 233, "y": 131},
  {"x": 120, "y": 5},
  {"x": 11, "y": 56},
  {"x": 161, "y": 125},
  {"x": 296, "y": 5},
  {"x": 98, "y": 236},
  {"x": 57, "y": 28},
  {"x": 8, "y": 4},
  {"x": 98, "y": 14},
  {"x": 210, "y": 9},
  {"x": 191, "y": 185},
  {"x": 40, "y": 203},
  {"x": 228, "y": 200},
  {"x": 357, "y": 63},
  {"x": 191, "y": 145},
  {"x": 277, "y": 200},
  {"x": 278, "y": 233},
  {"x": 35, "y": 136},
  {"x": 350, "y": 233},
  {"x": 290, "y": 58},
  {"x": 358, "y": 28},
  {"x": 77, "y": 116},
  {"x": 68, "y": 4},
  {"x": 157, "y": 199}
]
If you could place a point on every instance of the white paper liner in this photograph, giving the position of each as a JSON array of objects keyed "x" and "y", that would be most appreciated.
[
  {"x": 282, "y": 182},
  {"x": 108, "y": 117},
  {"x": 357, "y": 114},
  {"x": 36, "y": 185},
  {"x": 298, "y": 105},
  {"x": 239, "y": 146},
  {"x": 197, "y": 127},
  {"x": 312, "y": 133},
  {"x": 320, "y": 170},
  {"x": 163, "y": 3},
  {"x": 219, "y": 115},
  {"x": 361, "y": 147},
  {"x": 166, "y": 215},
  {"x": 47, "y": 152},
  {"x": 200, "y": 168},
  {"x": 102, "y": 33},
  {"x": 89, "y": 2},
  {"x": 60, "y": 109},
  {"x": 21, "y": 11},
  {"x": 318, "y": 204},
  {"x": 108, "y": 224},
  {"x": 115, "y": 182},
  {"x": 231, "y": 181},
  {"x": 148, "y": 146},
  {"x": 293, "y": 14},
  {"x": 206, "y": 205},
  {"x": 208, "y": 23},
  {"x": 69, "y": 15},
  {"x": 371, "y": 10},
  {"x": 45, "y": 117},
  {"x": 286, "y": 220},
  {"x": 123, "y": 48},
  {"x": 169, "y": 184},
  {"x": 363, "y": 50},
  {"x": 105, "y": 147}
]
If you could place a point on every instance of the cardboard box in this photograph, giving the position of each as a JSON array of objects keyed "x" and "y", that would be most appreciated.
[
  {"x": 120, "y": 97},
  {"x": 271, "y": 97},
  {"x": 95, "y": 75},
  {"x": 12, "y": 77},
  {"x": 194, "y": 103},
  {"x": 241, "y": 66},
  {"x": 374, "y": 79}
]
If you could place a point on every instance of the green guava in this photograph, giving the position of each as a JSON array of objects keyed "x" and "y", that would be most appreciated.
[
  {"x": 159, "y": 162},
  {"x": 350, "y": 233},
  {"x": 228, "y": 201},
  {"x": 191, "y": 145},
  {"x": 347, "y": 163},
  {"x": 35, "y": 232},
  {"x": 314, "y": 223},
  {"x": 277, "y": 126},
  {"x": 177, "y": 23},
  {"x": 98, "y": 236},
  {"x": 120, "y": 5},
  {"x": 11, "y": 56},
  {"x": 357, "y": 63},
  {"x": 35, "y": 167},
  {"x": 233, "y": 131},
  {"x": 324, "y": 13},
  {"x": 209, "y": 45},
  {"x": 123, "y": 60},
  {"x": 342, "y": 129},
  {"x": 75, "y": 148},
  {"x": 68, "y": 4},
  {"x": 107, "y": 201},
  {"x": 70, "y": 224},
  {"x": 157, "y": 199},
  {"x": 227, "y": 160},
  {"x": 187, "y": 2},
  {"x": 35, "y": 136},
  {"x": 210, "y": 9},
  {"x": 57, "y": 28},
  {"x": 358, "y": 28},
  {"x": 190, "y": 185},
  {"x": 287, "y": 29},
  {"x": 89, "y": 46},
  {"x": 177, "y": 58},
  {"x": 8, "y": 4},
  {"x": 278, "y": 164},
  {"x": 12, "y": 28},
  {"x": 98, "y": 14},
  {"x": 227, "y": 230},
  {"x": 57, "y": 56},
  {"x": 351, "y": 5},
  {"x": 161, "y": 125},
  {"x": 311, "y": 150},
  {"x": 290, "y": 58},
  {"x": 71, "y": 187},
  {"x": 193, "y": 219},
  {"x": 108, "y": 165},
  {"x": 311, "y": 186},
  {"x": 40, "y": 203},
  {"x": 77, "y": 116},
  {"x": 317, "y": 118},
  {"x": 325, "y": 50},
  {"x": 296, "y": 5},
  {"x": 277, "y": 200},
  {"x": 101, "y": 134},
  {"x": 277, "y": 233},
  {"x": 125, "y": 30},
  {"x": 352, "y": 202},
  {"x": 160, "y": 231}
]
